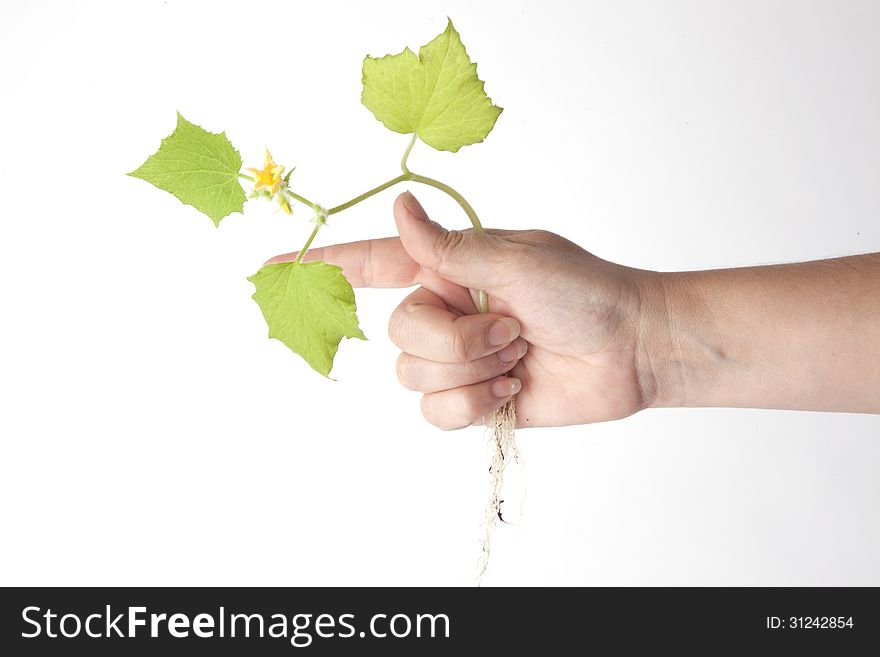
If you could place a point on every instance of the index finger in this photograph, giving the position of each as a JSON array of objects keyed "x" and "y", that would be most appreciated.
[
  {"x": 370, "y": 263},
  {"x": 366, "y": 263}
]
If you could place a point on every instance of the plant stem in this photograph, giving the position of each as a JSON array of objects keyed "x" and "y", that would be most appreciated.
[
  {"x": 302, "y": 251},
  {"x": 443, "y": 187},
  {"x": 407, "y": 152},
  {"x": 293, "y": 194},
  {"x": 483, "y": 298},
  {"x": 431, "y": 182},
  {"x": 366, "y": 195},
  {"x": 482, "y": 301},
  {"x": 304, "y": 201}
]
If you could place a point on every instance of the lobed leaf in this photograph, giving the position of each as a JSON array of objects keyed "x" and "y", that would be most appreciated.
[
  {"x": 436, "y": 95},
  {"x": 199, "y": 167},
  {"x": 310, "y": 307}
]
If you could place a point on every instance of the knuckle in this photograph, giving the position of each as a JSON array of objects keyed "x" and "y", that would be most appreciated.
[
  {"x": 403, "y": 325},
  {"x": 472, "y": 408},
  {"x": 450, "y": 243},
  {"x": 542, "y": 236},
  {"x": 367, "y": 264},
  {"x": 428, "y": 413},
  {"x": 440, "y": 420},
  {"x": 539, "y": 240},
  {"x": 474, "y": 369},
  {"x": 460, "y": 346},
  {"x": 403, "y": 366},
  {"x": 547, "y": 240},
  {"x": 482, "y": 369},
  {"x": 395, "y": 326}
]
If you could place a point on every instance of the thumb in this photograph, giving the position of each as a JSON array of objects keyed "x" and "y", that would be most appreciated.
[{"x": 466, "y": 258}]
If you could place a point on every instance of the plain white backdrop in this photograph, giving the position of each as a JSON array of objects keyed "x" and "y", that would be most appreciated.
[{"x": 151, "y": 434}]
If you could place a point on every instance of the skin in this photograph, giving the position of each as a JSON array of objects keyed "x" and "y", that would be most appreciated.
[{"x": 579, "y": 339}]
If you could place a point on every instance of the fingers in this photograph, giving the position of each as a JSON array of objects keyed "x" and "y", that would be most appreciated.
[
  {"x": 461, "y": 407},
  {"x": 423, "y": 326},
  {"x": 367, "y": 263},
  {"x": 467, "y": 258},
  {"x": 428, "y": 376},
  {"x": 459, "y": 361},
  {"x": 464, "y": 258}
]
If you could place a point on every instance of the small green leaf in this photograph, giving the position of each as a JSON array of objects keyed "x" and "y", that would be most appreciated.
[
  {"x": 310, "y": 307},
  {"x": 436, "y": 94},
  {"x": 198, "y": 167}
]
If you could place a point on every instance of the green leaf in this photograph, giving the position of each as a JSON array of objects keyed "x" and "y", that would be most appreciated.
[
  {"x": 310, "y": 307},
  {"x": 198, "y": 167},
  {"x": 436, "y": 95}
]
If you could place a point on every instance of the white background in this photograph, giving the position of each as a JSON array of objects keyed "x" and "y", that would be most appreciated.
[{"x": 151, "y": 434}]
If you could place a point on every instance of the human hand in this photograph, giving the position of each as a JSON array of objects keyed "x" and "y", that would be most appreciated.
[{"x": 564, "y": 324}]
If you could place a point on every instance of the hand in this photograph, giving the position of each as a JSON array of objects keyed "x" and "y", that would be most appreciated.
[{"x": 564, "y": 324}]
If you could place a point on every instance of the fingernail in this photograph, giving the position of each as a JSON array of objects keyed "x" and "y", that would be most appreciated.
[
  {"x": 502, "y": 331},
  {"x": 506, "y": 387},
  {"x": 415, "y": 208},
  {"x": 514, "y": 351}
]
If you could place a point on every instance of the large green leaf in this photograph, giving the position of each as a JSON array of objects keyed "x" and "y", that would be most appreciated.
[
  {"x": 310, "y": 307},
  {"x": 436, "y": 95},
  {"x": 199, "y": 167}
]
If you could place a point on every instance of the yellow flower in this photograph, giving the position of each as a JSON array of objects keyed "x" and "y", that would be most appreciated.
[
  {"x": 284, "y": 204},
  {"x": 270, "y": 177}
]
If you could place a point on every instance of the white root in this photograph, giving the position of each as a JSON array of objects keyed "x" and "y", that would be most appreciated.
[{"x": 501, "y": 428}]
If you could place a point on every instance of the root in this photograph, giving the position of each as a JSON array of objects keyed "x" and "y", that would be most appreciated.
[{"x": 501, "y": 426}]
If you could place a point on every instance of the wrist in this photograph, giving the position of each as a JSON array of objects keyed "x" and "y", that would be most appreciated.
[{"x": 670, "y": 347}]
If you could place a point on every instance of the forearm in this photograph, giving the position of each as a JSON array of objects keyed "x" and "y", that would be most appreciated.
[{"x": 802, "y": 336}]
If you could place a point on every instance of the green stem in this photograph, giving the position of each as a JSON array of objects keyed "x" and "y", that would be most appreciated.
[
  {"x": 293, "y": 194},
  {"x": 483, "y": 301},
  {"x": 406, "y": 153},
  {"x": 482, "y": 297},
  {"x": 372, "y": 192},
  {"x": 304, "y": 201},
  {"x": 320, "y": 222},
  {"x": 443, "y": 187}
]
